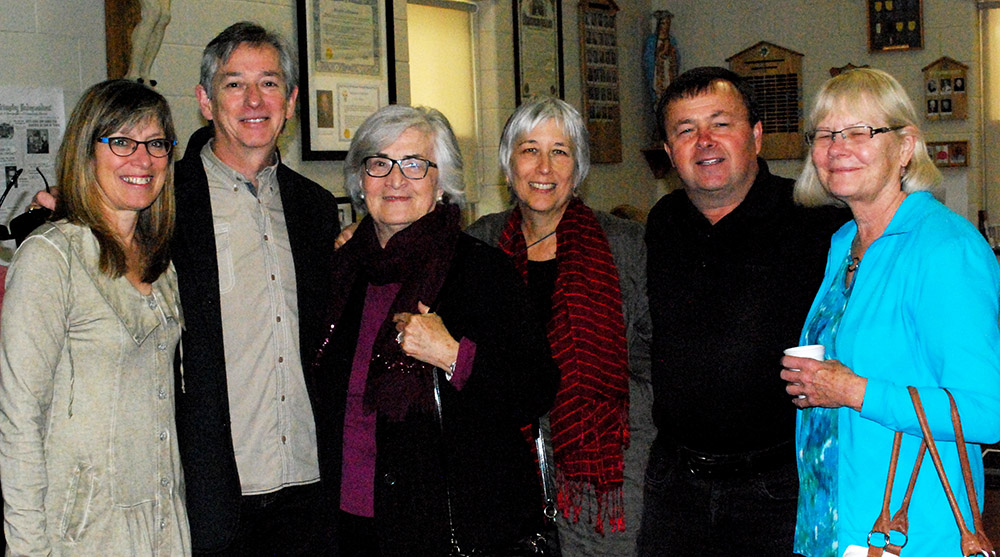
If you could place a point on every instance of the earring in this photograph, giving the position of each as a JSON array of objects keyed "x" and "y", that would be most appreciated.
[{"x": 362, "y": 196}]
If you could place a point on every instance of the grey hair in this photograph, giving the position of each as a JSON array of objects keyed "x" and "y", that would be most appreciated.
[
  {"x": 225, "y": 43},
  {"x": 383, "y": 127},
  {"x": 533, "y": 113},
  {"x": 879, "y": 94}
]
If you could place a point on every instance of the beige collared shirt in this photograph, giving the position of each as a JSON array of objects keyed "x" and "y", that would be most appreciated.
[{"x": 274, "y": 433}]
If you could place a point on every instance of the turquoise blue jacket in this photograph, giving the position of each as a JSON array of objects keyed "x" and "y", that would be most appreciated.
[{"x": 923, "y": 312}]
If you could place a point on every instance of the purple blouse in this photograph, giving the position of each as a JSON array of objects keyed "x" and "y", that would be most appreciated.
[{"x": 357, "y": 485}]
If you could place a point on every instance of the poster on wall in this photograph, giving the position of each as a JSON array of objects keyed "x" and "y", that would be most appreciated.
[
  {"x": 347, "y": 71},
  {"x": 32, "y": 120}
]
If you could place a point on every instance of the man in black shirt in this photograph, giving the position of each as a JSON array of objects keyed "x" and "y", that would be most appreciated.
[{"x": 733, "y": 265}]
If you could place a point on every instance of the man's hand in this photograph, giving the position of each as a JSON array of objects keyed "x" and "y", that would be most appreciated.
[
  {"x": 45, "y": 199},
  {"x": 346, "y": 234}
]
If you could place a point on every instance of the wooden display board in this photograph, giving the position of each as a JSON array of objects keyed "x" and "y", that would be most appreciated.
[
  {"x": 895, "y": 25},
  {"x": 949, "y": 153},
  {"x": 599, "y": 69},
  {"x": 945, "y": 90},
  {"x": 776, "y": 76}
]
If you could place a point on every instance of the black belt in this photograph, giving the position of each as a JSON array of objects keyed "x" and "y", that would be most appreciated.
[{"x": 735, "y": 465}]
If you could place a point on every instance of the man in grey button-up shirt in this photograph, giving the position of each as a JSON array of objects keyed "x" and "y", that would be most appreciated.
[{"x": 252, "y": 253}]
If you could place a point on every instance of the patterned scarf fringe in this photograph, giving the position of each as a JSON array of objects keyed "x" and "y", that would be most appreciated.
[{"x": 572, "y": 500}]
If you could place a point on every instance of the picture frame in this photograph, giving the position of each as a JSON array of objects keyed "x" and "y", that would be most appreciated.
[
  {"x": 345, "y": 211},
  {"x": 538, "y": 55},
  {"x": 346, "y": 70},
  {"x": 895, "y": 25},
  {"x": 948, "y": 154}
]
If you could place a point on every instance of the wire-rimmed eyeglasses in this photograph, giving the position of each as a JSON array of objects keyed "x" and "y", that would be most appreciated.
[
  {"x": 125, "y": 146},
  {"x": 851, "y": 135},
  {"x": 413, "y": 168}
]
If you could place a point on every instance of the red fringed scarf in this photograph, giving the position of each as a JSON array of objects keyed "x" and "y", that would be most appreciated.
[{"x": 587, "y": 334}]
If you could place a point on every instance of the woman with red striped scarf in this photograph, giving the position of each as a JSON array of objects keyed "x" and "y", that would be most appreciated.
[{"x": 586, "y": 276}]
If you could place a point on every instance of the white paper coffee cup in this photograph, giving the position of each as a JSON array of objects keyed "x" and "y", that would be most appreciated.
[{"x": 814, "y": 351}]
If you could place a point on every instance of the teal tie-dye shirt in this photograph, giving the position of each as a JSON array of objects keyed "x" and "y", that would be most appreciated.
[{"x": 816, "y": 523}]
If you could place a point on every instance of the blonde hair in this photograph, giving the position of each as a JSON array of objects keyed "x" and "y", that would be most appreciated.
[
  {"x": 104, "y": 109},
  {"x": 881, "y": 95}
]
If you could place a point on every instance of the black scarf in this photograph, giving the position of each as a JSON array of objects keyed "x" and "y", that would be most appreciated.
[{"x": 418, "y": 257}]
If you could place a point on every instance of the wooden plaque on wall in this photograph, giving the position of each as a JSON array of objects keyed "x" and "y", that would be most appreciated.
[
  {"x": 599, "y": 70},
  {"x": 945, "y": 90},
  {"x": 776, "y": 76}
]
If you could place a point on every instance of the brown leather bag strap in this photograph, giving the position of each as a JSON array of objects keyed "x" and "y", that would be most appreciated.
[
  {"x": 899, "y": 522},
  {"x": 972, "y": 543}
]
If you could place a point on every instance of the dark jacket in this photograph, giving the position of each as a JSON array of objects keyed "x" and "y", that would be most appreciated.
[
  {"x": 203, "y": 423},
  {"x": 513, "y": 381}
]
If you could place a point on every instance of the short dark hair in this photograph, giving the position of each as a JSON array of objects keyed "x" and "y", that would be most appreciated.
[
  {"x": 225, "y": 43},
  {"x": 696, "y": 81}
]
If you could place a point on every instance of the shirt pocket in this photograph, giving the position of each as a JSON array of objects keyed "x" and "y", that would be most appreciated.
[{"x": 224, "y": 256}]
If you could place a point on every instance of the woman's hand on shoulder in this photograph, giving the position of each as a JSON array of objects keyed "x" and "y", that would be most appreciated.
[
  {"x": 827, "y": 384},
  {"x": 423, "y": 336}
]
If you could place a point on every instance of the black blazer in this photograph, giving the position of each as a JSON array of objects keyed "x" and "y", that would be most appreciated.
[
  {"x": 513, "y": 381},
  {"x": 203, "y": 422}
]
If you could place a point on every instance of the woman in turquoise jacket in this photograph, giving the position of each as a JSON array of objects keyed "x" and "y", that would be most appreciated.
[{"x": 910, "y": 298}]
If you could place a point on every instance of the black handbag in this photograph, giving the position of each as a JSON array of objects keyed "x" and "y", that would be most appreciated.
[{"x": 542, "y": 541}]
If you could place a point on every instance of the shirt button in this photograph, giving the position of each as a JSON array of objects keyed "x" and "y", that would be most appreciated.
[
  {"x": 389, "y": 480},
  {"x": 279, "y": 319},
  {"x": 282, "y": 398},
  {"x": 163, "y": 436},
  {"x": 283, "y": 440},
  {"x": 281, "y": 359},
  {"x": 152, "y": 304},
  {"x": 161, "y": 394},
  {"x": 161, "y": 346},
  {"x": 272, "y": 277},
  {"x": 265, "y": 237},
  {"x": 163, "y": 524},
  {"x": 164, "y": 482},
  {"x": 236, "y": 188}
]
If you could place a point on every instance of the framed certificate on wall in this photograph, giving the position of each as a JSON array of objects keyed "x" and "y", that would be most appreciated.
[{"x": 346, "y": 69}]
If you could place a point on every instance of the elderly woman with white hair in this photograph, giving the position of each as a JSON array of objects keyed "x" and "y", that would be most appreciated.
[
  {"x": 586, "y": 277},
  {"x": 419, "y": 303},
  {"x": 910, "y": 299}
]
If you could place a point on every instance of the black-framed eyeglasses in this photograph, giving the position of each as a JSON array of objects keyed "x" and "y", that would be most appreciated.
[
  {"x": 851, "y": 135},
  {"x": 413, "y": 168},
  {"x": 125, "y": 146}
]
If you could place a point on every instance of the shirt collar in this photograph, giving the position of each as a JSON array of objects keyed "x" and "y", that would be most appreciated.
[{"x": 266, "y": 177}]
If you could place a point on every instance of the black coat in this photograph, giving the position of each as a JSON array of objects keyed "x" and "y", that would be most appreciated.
[
  {"x": 203, "y": 423},
  {"x": 513, "y": 381}
]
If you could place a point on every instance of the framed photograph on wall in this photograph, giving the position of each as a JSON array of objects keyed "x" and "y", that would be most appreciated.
[
  {"x": 346, "y": 71},
  {"x": 895, "y": 25},
  {"x": 538, "y": 57},
  {"x": 345, "y": 211}
]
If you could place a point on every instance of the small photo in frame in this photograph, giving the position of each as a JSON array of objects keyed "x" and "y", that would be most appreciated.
[{"x": 345, "y": 212}]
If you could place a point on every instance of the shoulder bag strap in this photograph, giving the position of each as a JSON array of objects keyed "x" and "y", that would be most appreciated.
[
  {"x": 973, "y": 543},
  {"x": 899, "y": 522},
  {"x": 548, "y": 489}
]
